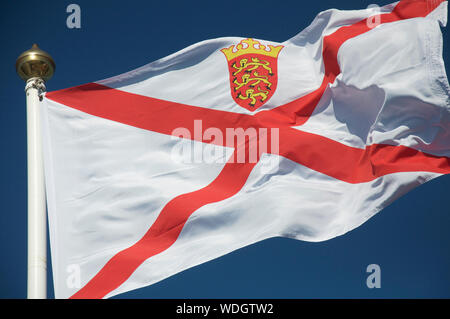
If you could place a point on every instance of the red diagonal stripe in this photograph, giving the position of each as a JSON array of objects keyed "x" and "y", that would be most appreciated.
[
  {"x": 145, "y": 112},
  {"x": 356, "y": 165},
  {"x": 297, "y": 112},
  {"x": 165, "y": 230}
]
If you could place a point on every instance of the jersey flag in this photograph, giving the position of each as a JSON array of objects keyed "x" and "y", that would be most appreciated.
[{"x": 234, "y": 140}]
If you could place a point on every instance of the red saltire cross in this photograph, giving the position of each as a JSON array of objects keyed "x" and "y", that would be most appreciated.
[{"x": 354, "y": 165}]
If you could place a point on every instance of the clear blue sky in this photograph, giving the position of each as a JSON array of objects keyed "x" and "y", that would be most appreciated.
[{"x": 410, "y": 239}]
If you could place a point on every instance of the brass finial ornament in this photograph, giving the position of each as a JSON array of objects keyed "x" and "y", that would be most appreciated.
[{"x": 35, "y": 63}]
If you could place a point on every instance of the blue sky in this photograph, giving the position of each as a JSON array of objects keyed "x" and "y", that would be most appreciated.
[{"x": 410, "y": 239}]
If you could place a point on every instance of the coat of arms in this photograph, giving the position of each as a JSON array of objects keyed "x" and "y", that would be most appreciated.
[{"x": 253, "y": 72}]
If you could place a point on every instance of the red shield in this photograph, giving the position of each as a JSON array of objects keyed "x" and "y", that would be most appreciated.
[{"x": 253, "y": 73}]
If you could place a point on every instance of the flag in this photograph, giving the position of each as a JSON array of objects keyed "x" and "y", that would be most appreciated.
[{"x": 234, "y": 140}]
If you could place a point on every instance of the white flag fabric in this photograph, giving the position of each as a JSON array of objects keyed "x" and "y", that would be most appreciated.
[{"x": 234, "y": 140}]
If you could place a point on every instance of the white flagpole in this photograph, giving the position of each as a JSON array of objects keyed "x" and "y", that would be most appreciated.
[{"x": 35, "y": 66}]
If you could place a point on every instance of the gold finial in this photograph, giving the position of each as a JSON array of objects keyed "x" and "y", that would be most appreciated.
[{"x": 35, "y": 63}]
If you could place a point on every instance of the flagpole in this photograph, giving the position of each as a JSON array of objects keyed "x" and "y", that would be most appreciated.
[{"x": 35, "y": 67}]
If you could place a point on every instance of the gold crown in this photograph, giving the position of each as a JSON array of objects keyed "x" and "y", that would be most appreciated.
[{"x": 250, "y": 48}]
